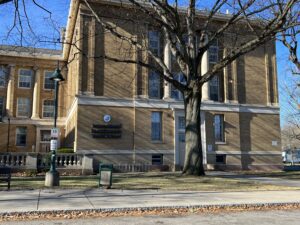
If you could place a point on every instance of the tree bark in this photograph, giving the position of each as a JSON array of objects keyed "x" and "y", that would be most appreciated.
[{"x": 193, "y": 164}]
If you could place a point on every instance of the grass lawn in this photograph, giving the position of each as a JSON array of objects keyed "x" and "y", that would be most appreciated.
[
  {"x": 290, "y": 175},
  {"x": 162, "y": 181}
]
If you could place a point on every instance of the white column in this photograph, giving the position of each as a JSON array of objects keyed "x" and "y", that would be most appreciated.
[
  {"x": 10, "y": 91},
  {"x": 167, "y": 61},
  {"x": 204, "y": 70},
  {"x": 36, "y": 96}
]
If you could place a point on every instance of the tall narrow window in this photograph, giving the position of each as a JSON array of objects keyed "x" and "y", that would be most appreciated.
[
  {"x": 214, "y": 85},
  {"x": 21, "y": 136},
  {"x": 219, "y": 128},
  {"x": 48, "y": 84},
  {"x": 3, "y": 75},
  {"x": 175, "y": 93},
  {"x": 156, "y": 126},
  {"x": 154, "y": 85},
  {"x": 213, "y": 52},
  {"x": 154, "y": 42},
  {"x": 25, "y": 78},
  {"x": 48, "y": 108},
  {"x": 181, "y": 129},
  {"x": 23, "y": 107},
  {"x": 1, "y": 107}
]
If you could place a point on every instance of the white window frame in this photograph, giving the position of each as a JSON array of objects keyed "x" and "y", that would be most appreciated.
[
  {"x": 3, "y": 76},
  {"x": 48, "y": 106},
  {"x": 154, "y": 82},
  {"x": 18, "y": 133},
  {"x": 220, "y": 126},
  {"x": 41, "y": 135},
  {"x": 153, "y": 136},
  {"x": 176, "y": 94},
  {"x": 154, "y": 37},
  {"x": 20, "y": 76},
  {"x": 26, "y": 105},
  {"x": 44, "y": 86}
]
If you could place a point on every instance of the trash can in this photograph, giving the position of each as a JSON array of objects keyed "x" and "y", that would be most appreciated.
[{"x": 105, "y": 175}]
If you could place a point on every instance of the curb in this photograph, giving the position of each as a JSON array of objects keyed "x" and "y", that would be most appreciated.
[{"x": 124, "y": 210}]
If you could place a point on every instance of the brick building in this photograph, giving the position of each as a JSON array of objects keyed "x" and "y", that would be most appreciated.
[{"x": 123, "y": 113}]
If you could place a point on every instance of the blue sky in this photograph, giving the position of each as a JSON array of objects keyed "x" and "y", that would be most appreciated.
[{"x": 46, "y": 32}]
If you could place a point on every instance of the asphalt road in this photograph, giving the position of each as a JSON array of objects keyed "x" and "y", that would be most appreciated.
[{"x": 229, "y": 218}]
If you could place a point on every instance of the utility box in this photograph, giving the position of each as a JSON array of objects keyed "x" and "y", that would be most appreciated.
[{"x": 105, "y": 175}]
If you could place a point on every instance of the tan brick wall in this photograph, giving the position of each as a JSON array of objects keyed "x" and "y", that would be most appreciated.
[
  {"x": 89, "y": 115},
  {"x": 30, "y": 141},
  {"x": 71, "y": 130},
  {"x": 246, "y": 132},
  {"x": 143, "y": 130}
]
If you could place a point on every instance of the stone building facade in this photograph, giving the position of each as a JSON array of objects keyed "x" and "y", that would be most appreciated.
[{"x": 123, "y": 113}]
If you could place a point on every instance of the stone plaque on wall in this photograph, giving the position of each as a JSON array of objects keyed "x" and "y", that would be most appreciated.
[{"x": 107, "y": 130}]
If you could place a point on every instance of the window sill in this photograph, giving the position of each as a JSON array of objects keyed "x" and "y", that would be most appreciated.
[
  {"x": 22, "y": 117},
  {"x": 220, "y": 143},
  {"x": 157, "y": 142},
  {"x": 25, "y": 88}
]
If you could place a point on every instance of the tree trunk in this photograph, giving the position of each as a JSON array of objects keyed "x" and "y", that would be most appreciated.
[{"x": 193, "y": 164}]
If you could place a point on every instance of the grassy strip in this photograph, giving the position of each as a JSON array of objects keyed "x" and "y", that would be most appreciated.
[{"x": 162, "y": 181}]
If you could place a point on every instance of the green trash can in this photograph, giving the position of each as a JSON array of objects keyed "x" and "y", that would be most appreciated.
[{"x": 105, "y": 175}]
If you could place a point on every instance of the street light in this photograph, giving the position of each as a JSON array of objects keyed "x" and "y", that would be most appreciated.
[{"x": 52, "y": 176}]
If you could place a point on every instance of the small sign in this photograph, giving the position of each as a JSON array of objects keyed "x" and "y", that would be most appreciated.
[
  {"x": 107, "y": 118},
  {"x": 54, "y": 132},
  {"x": 53, "y": 145},
  {"x": 274, "y": 143},
  {"x": 209, "y": 148}
]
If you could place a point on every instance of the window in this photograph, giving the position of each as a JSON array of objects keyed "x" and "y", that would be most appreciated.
[
  {"x": 213, "y": 52},
  {"x": 1, "y": 107},
  {"x": 154, "y": 85},
  {"x": 221, "y": 159},
  {"x": 3, "y": 73},
  {"x": 48, "y": 108},
  {"x": 45, "y": 135},
  {"x": 21, "y": 135},
  {"x": 25, "y": 78},
  {"x": 176, "y": 94},
  {"x": 154, "y": 42},
  {"x": 181, "y": 129},
  {"x": 156, "y": 126},
  {"x": 219, "y": 128},
  {"x": 157, "y": 159},
  {"x": 23, "y": 107},
  {"x": 214, "y": 89},
  {"x": 48, "y": 84}
]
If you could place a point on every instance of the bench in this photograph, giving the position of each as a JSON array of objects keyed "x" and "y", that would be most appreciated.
[{"x": 5, "y": 175}]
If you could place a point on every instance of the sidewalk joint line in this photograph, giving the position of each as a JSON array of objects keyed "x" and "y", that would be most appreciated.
[{"x": 38, "y": 202}]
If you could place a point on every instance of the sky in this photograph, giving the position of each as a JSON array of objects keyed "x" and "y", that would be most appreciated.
[{"x": 46, "y": 32}]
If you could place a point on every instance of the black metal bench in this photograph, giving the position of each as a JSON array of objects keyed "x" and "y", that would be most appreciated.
[{"x": 5, "y": 175}]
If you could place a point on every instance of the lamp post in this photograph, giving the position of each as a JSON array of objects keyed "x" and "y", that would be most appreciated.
[{"x": 52, "y": 176}]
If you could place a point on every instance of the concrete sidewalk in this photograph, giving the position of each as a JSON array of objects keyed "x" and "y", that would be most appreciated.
[{"x": 98, "y": 199}]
